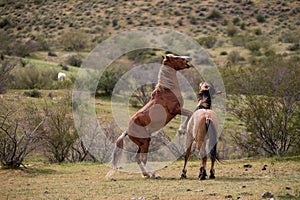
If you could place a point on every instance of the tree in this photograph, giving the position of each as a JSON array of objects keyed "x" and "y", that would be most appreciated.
[
  {"x": 265, "y": 97},
  {"x": 61, "y": 134},
  {"x": 74, "y": 40},
  {"x": 5, "y": 68},
  {"x": 21, "y": 131}
]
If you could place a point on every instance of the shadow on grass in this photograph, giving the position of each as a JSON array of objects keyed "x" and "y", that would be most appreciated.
[{"x": 33, "y": 171}]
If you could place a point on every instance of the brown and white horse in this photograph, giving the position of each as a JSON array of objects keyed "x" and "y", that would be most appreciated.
[
  {"x": 202, "y": 127},
  {"x": 165, "y": 103}
]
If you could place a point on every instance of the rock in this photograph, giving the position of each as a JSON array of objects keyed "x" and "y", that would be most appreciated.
[
  {"x": 267, "y": 195},
  {"x": 288, "y": 188},
  {"x": 188, "y": 190},
  {"x": 199, "y": 190},
  {"x": 228, "y": 196},
  {"x": 247, "y": 165}
]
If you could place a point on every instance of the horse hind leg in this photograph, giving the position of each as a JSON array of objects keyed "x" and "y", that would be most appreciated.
[
  {"x": 141, "y": 157},
  {"x": 186, "y": 158},
  {"x": 202, "y": 173}
]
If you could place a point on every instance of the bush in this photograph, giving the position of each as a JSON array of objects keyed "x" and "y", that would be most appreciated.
[
  {"x": 74, "y": 60},
  {"x": 208, "y": 41},
  {"x": 21, "y": 131},
  {"x": 214, "y": 14},
  {"x": 5, "y": 74},
  {"x": 33, "y": 93},
  {"x": 61, "y": 133},
  {"x": 74, "y": 40},
  {"x": 266, "y": 99},
  {"x": 260, "y": 18},
  {"x": 231, "y": 31},
  {"x": 31, "y": 77},
  {"x": 234, "y": 57}
]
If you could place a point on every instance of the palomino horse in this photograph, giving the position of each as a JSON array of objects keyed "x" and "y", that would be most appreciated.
[
  {"x": 202, "y": 126},
  {"x": 165, "y": 103}
]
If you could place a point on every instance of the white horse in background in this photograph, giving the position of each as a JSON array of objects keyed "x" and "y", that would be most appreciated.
[{"x": 61, "y": 76}]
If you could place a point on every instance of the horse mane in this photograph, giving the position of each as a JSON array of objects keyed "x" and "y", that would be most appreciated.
[{"x": 166, "y": 80}]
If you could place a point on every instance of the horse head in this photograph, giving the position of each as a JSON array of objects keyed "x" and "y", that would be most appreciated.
[
  {"x": 207, "y": 87},
  {"x": 177, "y": 62}
]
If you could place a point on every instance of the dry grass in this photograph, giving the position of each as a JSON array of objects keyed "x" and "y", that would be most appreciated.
[{"x": 87, "y": 181}]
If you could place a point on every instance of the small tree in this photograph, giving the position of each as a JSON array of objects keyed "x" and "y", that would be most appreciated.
[
  {"x": 5, "y": 69},
  {"x": 74, "y": 40},
  {"x": 61, "y": 134},
  {"x": 266, "y": 98},
  {"x": 20, "y": 132}
]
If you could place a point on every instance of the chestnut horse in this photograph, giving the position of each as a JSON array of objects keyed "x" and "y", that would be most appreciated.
[
  {"x": 202, "y": 126},
  {"x": 165, "y": 103}
]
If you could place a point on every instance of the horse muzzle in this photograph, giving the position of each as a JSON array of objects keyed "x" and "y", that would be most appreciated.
[{"x": 189, "y": 64}]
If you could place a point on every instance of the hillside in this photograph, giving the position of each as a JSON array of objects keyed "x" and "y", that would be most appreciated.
[{"x": 99, "y": 19}]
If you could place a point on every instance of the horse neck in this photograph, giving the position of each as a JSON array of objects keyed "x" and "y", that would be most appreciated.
[{"x": 168, "y": 79}]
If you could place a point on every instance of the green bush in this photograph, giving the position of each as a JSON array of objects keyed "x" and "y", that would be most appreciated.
[
  {"x": 214, "y": 14},
  {"x": 33, "y": 93},
  {"x": 74, "y": 60},
  {"x": 208, "y": 41},
  {"x": 260, "y": 18},
  {"x": 74, "y": 40},
  {"x": 231, "y": 31},
  {"x": 32, "y": 77}
]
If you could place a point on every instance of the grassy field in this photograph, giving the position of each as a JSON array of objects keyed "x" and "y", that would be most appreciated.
[{"x": 87, "y": 181}]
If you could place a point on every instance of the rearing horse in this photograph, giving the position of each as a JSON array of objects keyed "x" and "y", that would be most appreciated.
[{"x": 165, "y": 103}]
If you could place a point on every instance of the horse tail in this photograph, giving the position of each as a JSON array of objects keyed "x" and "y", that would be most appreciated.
[
  {"x": 213, "y": 140},
  {"x": 116, "y": 156}
]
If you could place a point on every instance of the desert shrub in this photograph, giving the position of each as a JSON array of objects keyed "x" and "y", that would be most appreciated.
[
  {"x": 214, "y": 14},
  {"x": 239, "y": 40},
  {"x": 236, "y": 21},
  {"x": 257, "y": 31},
  {"x": 266, "y": 100},
  {"x": 6, "y": 68},
  {"x": 231, "y": 31},
  {"x": 294, "y": 47},
  {"x": 223, "y": 53},
  {"x": 74, "y": 40},
  {"x": 33, "y": 93},
  {"x": 260, "y": 18},
  {"x": 61, "y": 133},
  {"x": 254, "y": 46},
  {"x": 21, "y": 131},
  {"x": 32, "y": 77},
  {"x": 234, "y": 57},
  {"x": 108, "y": 80},
  {"x": 74, "y": 60},
  {"x": 208, "y": 41},
  {"x": 289, "y": 36}
]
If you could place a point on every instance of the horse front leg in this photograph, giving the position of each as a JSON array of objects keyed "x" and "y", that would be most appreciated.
[{"x": 183, "y": 126}]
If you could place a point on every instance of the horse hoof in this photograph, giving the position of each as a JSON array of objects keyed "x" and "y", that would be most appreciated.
[
  {"x": 212, "y": 177},
  {"x": 156, "y": 176},
  {"x": 146, "y": 176},
  {"x": 202, "y": 178},
  {"x": 183, "y": 176}
]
